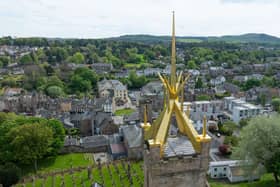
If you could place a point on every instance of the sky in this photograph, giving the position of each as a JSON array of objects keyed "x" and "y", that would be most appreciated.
[{"x": 109, "y": 18}]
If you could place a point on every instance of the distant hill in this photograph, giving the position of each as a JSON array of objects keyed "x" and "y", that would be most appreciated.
[{"x": 245, "y": 38}]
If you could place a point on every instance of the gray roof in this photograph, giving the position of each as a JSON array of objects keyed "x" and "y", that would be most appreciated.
[
  {"x": 133, "y": 135},
  {"x": 132, "y": 117},
  {"x": 94, "y": 141},
  {"x": 178, "y": 146}
]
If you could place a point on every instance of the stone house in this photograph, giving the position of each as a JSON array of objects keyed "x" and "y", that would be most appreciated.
[
  {"x": 112, "y": 88},
  {"x": 82, "y": 120},
  {"x": 133, "y": 141},
  {"x": 216, "y": 71},
  {"x": 218, "y": 80},
  {"x": 231, "y": 170},
  {"x": 88, "y": 144},
  {"x": 102, "y": 68}
]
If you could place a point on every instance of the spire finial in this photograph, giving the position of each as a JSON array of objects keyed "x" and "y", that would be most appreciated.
[
  {"x": 145, "y": 115},
  {"x": 204, "y": 126},
  {"x": 173, "y": 53}
]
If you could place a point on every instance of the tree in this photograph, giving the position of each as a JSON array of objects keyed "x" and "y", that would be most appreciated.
[
  {"x": 276, "y": 104},
  {"x": 260, "y": 144},
  {"x": 231, "y": 141},
  {"x": 5, "y": 60},
  {"x": 251, "y": 83},
  {"x": 262, "y": 99},
  {"x": 26, "y": 59},
  {"x": 228, "y": 128},
  {"x": 34, "y": 77},
  {"x": 9, "y": 174},
  {"x": 58, "y": 135},
  {"x": 243, "y": 122},
  {"x": 135, "y": 81},
  {"x": 198, "y": 83},
  {"x": 54, "y": 91},
  {"x": 77, "y": 58},
  {"x": 191, "y": 64},
  {"x": 79, "y": 85},
  {"x": 30, "y": 142},
  {"x": 83, "y": 80}
]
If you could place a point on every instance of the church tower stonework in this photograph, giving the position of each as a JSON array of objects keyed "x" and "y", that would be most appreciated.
[{"x": 174, "y": 161}]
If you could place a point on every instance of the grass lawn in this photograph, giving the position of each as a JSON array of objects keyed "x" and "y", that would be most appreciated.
[
  {"x": 123, "y": 112},
  {"x": 61, "y": 162},
  {"x": 133, "y": 66},
  {"x": 111, "y": 175},
  {"x": 267, "y": 180}
]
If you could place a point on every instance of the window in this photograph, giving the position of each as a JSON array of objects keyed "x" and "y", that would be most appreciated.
[
  {"x": 215, "y": 169},
  {"x": 215, "y": 175},
  {"x": 225, "y": 169}
]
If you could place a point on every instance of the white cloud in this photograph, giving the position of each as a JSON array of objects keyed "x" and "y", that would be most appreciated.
[{"x": 95, "y": 18}]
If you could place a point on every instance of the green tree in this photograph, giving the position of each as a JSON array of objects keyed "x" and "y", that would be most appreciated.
[
  {"x": 135, "y": 81},
  {"x": 54, "y": 91},
  {"x": 262, "y": 99},
  {"x": 251, "y": 83},
  {"x": 260, "y": 144},
  {"x": 87, "y": 74},
  {"x": 198, "y": 83},
  {"x": 77, "y": 58},
  {"x": 191, "y": 64},
  {"x": 5, "y": 60},
  {"x": 58, "y": 135},
  {"x": 30, "y": 142},
  {"x": 9, "y": 174},
  {"x": 228, "y": 128},
  {"x": 26, "y": 59},
  {"x": 275, "y": 102},
  {"x": 243, "y": 122},
  {"x": 79, "y": 85}
]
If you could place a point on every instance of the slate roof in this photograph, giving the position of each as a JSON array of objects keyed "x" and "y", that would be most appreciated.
[
  {"x": 94, "y": 141},
  {"x": 178, "y": 146},
  {"x": 117, "y": 148},
  {"x": 133, "y": 135}
]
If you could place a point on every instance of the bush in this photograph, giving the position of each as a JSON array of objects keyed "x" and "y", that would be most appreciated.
[
  {"x": 231, "y": 141},
  {"x": 227, "y": 128},
  {"x": 54, "y": 91},
  {"x": 224, "y": 149},
  {"x": 9, "y": 174},
  {"x": 243, "y": 122}
]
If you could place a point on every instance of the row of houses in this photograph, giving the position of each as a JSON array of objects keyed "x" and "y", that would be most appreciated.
[
  {"x": 126, "y": 143},
  {"x": 235, "y": 109}
]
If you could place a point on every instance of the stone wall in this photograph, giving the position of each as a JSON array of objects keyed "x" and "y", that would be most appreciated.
[
  {"x": 183, "y": 171},
  {"x": 80, "y": 149}
]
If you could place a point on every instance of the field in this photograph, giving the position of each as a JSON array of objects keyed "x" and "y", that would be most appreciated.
[
  {"x": 266, "y": 181},
  {"x": 60, "y": 162},
  {"x": 123, "y": 112},
  {"x": 118, "y": 174},
  {"x": 84, "y": 172}
]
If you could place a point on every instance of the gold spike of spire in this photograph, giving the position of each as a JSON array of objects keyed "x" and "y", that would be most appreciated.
[
  {"x": 204, "y": 126},
  {"x": 182, "y": 100},
  {"x": 173, "y": 54},
  {"x": 145, "y": 115},
  {"x": 173, "y": 88}
]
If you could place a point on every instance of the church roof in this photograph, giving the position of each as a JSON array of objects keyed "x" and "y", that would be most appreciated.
[{"x": 178, "y": 146}]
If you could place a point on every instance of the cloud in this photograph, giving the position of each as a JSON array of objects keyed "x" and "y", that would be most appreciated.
[
  {"x": 250, "y": 1},
  {"x": 97, "y": 19}
]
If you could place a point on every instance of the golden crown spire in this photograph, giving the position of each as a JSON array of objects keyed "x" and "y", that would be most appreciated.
[
  {"x": 157, "y": 133},
  {"x": 173, "y": 53}
]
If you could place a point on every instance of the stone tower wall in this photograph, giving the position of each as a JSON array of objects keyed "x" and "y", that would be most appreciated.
[{"x": 185, "y": 171}]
